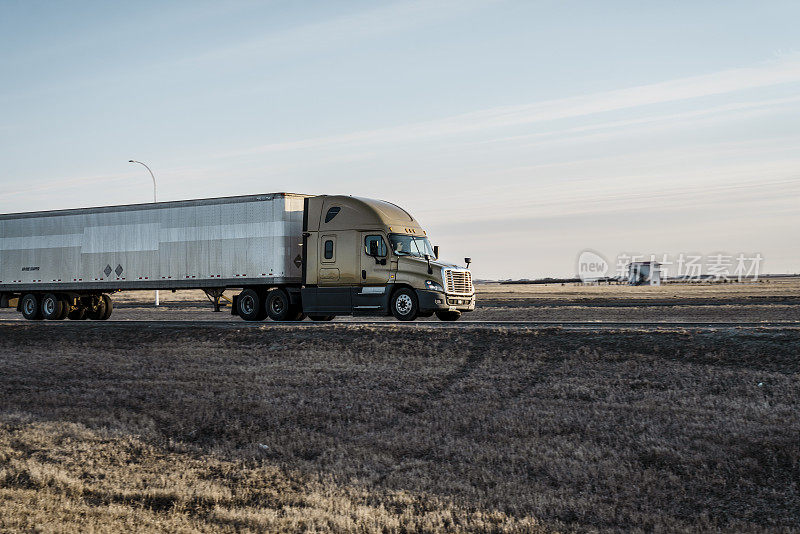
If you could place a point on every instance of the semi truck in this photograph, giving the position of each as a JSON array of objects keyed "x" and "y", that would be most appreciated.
[{"x": 287, "y": 256}]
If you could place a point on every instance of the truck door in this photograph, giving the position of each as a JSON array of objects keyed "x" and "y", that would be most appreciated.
[
  {"x": 374, "y": 254},
  {"x": 333, "y": 294},
  {"x": 369, "y": 297}
]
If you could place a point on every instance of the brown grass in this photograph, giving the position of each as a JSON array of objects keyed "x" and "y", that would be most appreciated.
[
  {"x": 349, "y": 427},
  {"x": 58, "y": 477}
]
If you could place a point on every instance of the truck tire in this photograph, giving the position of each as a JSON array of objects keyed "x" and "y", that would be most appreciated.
[
  {"x": 279, "y": 308},
  {"x": 97, "y": 312},
  {"x": 31, "y": 308},
  {"x": 405, "y": 305},
  {"x": 321, "y": 317},
  {"x": 52, "y": 307},
  {"x": 64, "y": 308},
  {"x": 448, "y": 315},
  {"x": 78, "y": 313},
  {"x": 109, "y": 307},
  {"x": 250, "y": 305}
]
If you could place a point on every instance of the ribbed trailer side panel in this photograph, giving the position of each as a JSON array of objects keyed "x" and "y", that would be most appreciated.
[{"x": 231, "y": 242}]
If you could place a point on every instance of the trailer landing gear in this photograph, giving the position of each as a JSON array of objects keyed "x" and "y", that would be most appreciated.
[{"x": 214, "y": 295}]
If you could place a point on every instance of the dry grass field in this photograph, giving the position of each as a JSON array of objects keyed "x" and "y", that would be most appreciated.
[
  {"x": 772, "y": 300},
  {"x": 385, "y": 428}
]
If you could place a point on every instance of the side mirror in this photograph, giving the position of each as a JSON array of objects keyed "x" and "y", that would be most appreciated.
[
  {"x": 373, "y": 251},
  {"x": 467, "y": 261},
  {"x": 436, "y": 252}
]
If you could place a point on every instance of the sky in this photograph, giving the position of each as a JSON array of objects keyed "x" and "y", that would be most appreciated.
[{"x": 519, "y": 133}]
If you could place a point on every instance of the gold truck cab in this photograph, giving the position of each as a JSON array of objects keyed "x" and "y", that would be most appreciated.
[{"x": 370, "y": 257}]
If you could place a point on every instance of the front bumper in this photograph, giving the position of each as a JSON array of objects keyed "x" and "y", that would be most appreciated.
[{"x": 433, "y": 301}]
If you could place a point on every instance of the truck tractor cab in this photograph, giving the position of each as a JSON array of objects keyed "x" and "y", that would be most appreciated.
[{"x": 371, "y": 257}]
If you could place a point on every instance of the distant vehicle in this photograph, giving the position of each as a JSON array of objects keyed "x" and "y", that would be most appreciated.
[
  {"x": 644, "y": 273},
  {"x": 293, "y": 256}
]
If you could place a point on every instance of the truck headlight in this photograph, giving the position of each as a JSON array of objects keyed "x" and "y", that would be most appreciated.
[{"x": 433, "y": 286}]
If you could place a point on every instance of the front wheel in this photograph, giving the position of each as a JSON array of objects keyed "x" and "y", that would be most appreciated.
[
  {"x": 448, "y": 315},
  {"x": 405, "y": 306}
]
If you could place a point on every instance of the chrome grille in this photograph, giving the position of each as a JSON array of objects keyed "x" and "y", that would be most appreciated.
[{"x": 458, "y": 282}]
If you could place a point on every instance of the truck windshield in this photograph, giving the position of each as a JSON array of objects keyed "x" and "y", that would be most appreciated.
[{"x": 409, "y": 245}]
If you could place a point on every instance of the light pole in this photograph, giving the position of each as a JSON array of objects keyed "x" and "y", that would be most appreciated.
[{"x": 154, "y": 197}]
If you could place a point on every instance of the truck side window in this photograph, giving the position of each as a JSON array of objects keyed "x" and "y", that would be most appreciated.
[
  {"x": 333, "y": 212},
  {"x": 329, "y": 249},
  {"x": 381, "y": 244}
]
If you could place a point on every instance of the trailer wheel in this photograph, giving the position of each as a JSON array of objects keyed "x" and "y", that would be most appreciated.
[
  {"x": 405, "y": 306},
  {"x": 448, "y": 315},
  {"x": 321, "y": 317},
  {"x": 52, "y": 307},
  {"x": 97, "y": 312},
  {"x": 250, "y": 305},
  {"x": 109, "y": 307},
  {"x": 64, "y": 308},
  {"x": 31, "y": 309},
  {"x": 78, "y": 313},
  {"x": 278, "y": 306}
]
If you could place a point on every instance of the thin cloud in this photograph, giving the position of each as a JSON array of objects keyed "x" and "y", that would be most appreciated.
[
  {"x": 723, "y": 82},
  {"x": 764, "y": 106},
  {"x": 779, "y": 196},
  {"x": 61, "y": 184},
  {"x": 303, "y": 38},
  {"x": 377, "y": 21},
  {"x": 763, "y": 170}
]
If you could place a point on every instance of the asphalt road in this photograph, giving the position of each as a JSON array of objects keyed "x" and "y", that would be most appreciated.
[{"x": 570, "y": 325}]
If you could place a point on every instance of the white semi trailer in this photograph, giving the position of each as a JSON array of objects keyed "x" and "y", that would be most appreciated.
[{"x": 292, "y": 256}]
